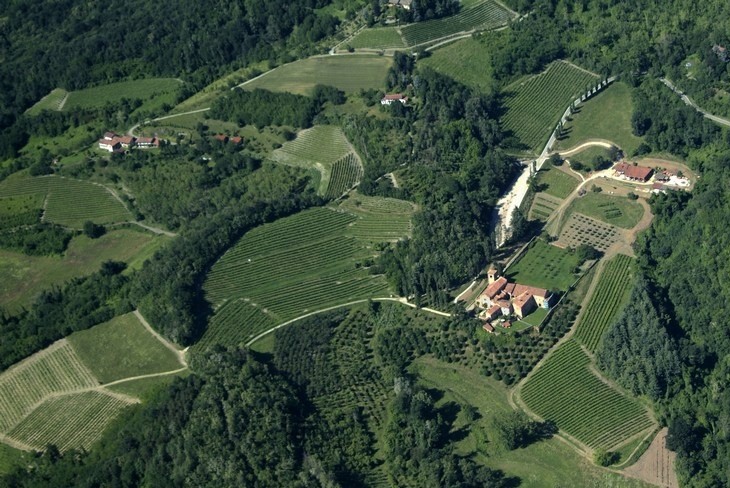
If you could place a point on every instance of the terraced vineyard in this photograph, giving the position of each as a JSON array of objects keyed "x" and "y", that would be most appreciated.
[
  {"x": 566, "y": 391},
  {"x": 535, "y": 106},
  {"x": 377, "y": 38},
  {"x": 609, "y": 296},
  {"x": 69, "y": 202},
  {"x": 312, "y": 260},
  {"x": 69, "y": 421},
  {"x": 484, "y": 15},
  {"x": 20, "y": 210},
  {"x": 325, "y": 149},
  {"x": 543, "y": 206}
]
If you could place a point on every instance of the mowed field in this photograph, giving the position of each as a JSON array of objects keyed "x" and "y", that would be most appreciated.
[
  {"x": 22, "y": 277},
  {"x": 348, "y": 73},
  {"x": 480, "y": 16},
  {"x": 303, "y": 263},
  {"x": 609, "y": 296},
  {"x": 614, "y": 210},
  {"x": 466, "y": 60},
  {"x": 55, "y": 396},
  {"x": 324, "y": 149},
  {"x": 69, "y": 202},
  {"x": 555, "y": 182},
  {"x": 545, "y": 266},
  {"x": 153, "y": 91},
  {"x": 535, "y": 105},
  {"x": 605, "y": 116},
  {"x": 565, "y": 390}
]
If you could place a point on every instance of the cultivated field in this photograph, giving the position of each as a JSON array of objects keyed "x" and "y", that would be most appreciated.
[
  {"x": 484, "y": 15},
  {"x": 299, "y": 264},
  {"x": 555, "y": 182},
  {"x": 543, "y": 206},
  {"x": 122, "y": 348},
  {"x": 605, "y": 116},
  {"x": 566, "y": 391},
  {"x": 607, "y": 300},
  {"x": 614, "y": 210},
  {"x": 467, "y": 61},
  {"x": 377, "y": 38},
  {"x": 153, "y": 88},
  {"x": 236, "y": 322},
  {"x": 348, "y": 73},
  {"x": 325, "y": 149},
  {"x": 580, "y": 229},
  {"x": 545, "y": 266},
  {"x": 52, "y": 101},
  {"x": 379, "y": 219},
  {"x": 69, "y": 202},
  {"x": 534, "y": 106},
  {"x": 22, "y": 277},
  {"x": 20, "y": 210}
]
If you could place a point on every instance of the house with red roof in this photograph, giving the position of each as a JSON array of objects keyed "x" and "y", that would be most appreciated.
[
  {"x": 634, "y": 173},
  {"x": 393, "y": 97},
  {"x": 146, "y": 142},
  {"x": 510, "y": 298}
]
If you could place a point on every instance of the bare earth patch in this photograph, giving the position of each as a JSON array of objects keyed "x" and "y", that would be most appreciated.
[{"x": 656, "y": 465}]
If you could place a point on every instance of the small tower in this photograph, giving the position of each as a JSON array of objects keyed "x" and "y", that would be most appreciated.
[{"x": 492, "y": 274}]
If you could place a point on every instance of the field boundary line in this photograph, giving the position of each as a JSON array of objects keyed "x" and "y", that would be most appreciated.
[
  {"x": 62, "y": 103},
  {"x": 577, "y": 67},
  {"x": 15, "y": 443},
  {"x": 155, "y": 230},
  {"x": 180, "y": 354},
  {"x": 589, "y": 143},
  {"x": 139, "y": 377}
]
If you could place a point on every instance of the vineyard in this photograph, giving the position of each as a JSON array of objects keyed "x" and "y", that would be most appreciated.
[
  {"x": 535, "y": 106},
  {"x": 543, "y": 206},
  {"x": 484, "y": 15},
  {"x": 377, "y": 38},
  {"x": 70, "y": 422},
  {"x": 312, "y": 260},
  {"x": 325, "y": 149},
  {"x": 20, "y": 210},
  {"x": 566, "y": 391},
  {"x": 52, "y": 101},
  {"x": 609, "y": 296},
  {"x": 69, "y": 202},
  {"x": 580, "y": 229}
]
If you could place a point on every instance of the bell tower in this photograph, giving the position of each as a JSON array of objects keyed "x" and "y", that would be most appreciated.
[{"x": 492, "y": 274}]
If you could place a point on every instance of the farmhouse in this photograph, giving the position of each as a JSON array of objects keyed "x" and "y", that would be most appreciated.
[
  {"x": 634, "y": 173},
  {"x": 405, "y": 4},
  {"x": 111, "y": 145},
  {"x": 388, "y": 99},
  {"x": 145, "y": 142},
  {"x": 504, "y": 298}
]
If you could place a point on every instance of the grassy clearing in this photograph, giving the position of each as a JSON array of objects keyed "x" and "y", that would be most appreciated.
[
  {"x": 534, "y": 106},
  {"x": 23, "y": 276},
  {"x": 547, "y": 463},
  {"x": 146, "y": 388},
  {"x": 545, "y": 266},
  {"x": 377, "y": 38},
  {"x": 52, "y": 101},
  {"x": 614, "y": 210},
  {"x": 154, "y": 91},
  {"x": 565, "y": 390},
  {"x": 589, "y": 154},
  {"x": 609, "y": 297},
  {"x": 323, "y": 148},
  {"x": 467, "y": 61},
  {"x": 536, "y": 317},
  {"x": 9, "y": 458},
  {"x": 348, "y": 73},
  {"x": 483, "y": 15},
  {"x": 69, "y": 202},
  {"x": 295, "y": 265},
  {"x": 555, "y": 182},
  {"x": 606, "y": 116},
  {"x": 122, "y": 348},
  {"x": 20, "y": 210}
]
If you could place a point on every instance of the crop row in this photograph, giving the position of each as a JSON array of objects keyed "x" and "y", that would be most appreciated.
[
  {"x": 378, "y": 205},
  {"x": 323, "y": 144},
  {"x": 69, "y": 421},
  {"x": 567, "y": 392},
  {"x": 537, "y": 104},
  {"x": 55, "y": 370},
  {"x": 485, "y": 15},
  {"x": 346, "y": 173},
  {"x": 235, "y": 323},
  {"x": 606, "y": 301}
]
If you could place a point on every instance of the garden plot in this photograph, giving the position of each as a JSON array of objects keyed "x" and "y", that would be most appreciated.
[
  {"x": 543, "y": 206},
  {"x": 581, "y": 229}
]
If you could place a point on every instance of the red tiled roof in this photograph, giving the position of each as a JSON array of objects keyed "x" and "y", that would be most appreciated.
[
  {"x": 109, "y": 135},
  {"x": 236, "y": 140},
  {"x": 532, "y": 290},
  {"x": 221, "y": 137},
  {"x": 506, "y": 324},
  {"x": 126, "y": 139},
  {"x": 636, "y": 172},
  {"x": 106, "y": 142},
  {"x": 394, "y": 96},
  {"x": 493, "y": 289},
  {"x": 488, "y": 327},
  {"x": 657, "y": 186},
  {"x": 494, "y": 309},
  {"x": 523, "y": 300}
]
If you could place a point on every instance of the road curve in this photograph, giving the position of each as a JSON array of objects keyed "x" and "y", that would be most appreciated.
[{"x": 688, "y": 101}]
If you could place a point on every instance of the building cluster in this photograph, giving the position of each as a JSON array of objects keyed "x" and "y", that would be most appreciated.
[
  {"x": 502, "y": 299},
  {"x": 661, "y": 179},
  {"x": 115, "y": 143},
  {"x": 225, "y": 139}
]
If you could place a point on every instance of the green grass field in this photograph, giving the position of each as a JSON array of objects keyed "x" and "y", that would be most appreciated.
[
  {"x": 348, "y": 73},
  {"x": 566, "y": 391},
  {"x": 609, "y": 297},
  {"x": 20, "y": 210},
  {"x": 9, "y": 458},
  {"x": 52, "y": 101},
  {"x": 377, "y": 38},
  {"x": 588, "y": 155},
  {"x": 547, "y": 463},
  {"x": 606, "y": 116},
  {"x": 69, "y": 202},
  {"x": 614, "y": 210},
  {"x": 535, "y": 105},
  {"x": 156, "y": 91},
  {"x": 325, "y": 149},
  {"x": 122, "y": 348},
  {"x": 480, "y": 16},
  {"x": 22, "y": 277},
  {"x": 545, "y": 266},
  {"x": 467, "y": 61},
  {"x": 312, "y": 260},
  {"x": 556, "y": 182}
]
